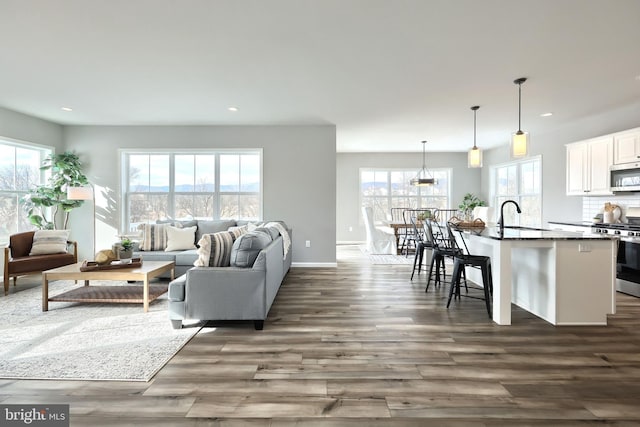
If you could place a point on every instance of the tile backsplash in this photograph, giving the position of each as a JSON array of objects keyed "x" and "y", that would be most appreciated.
[{"x": 591, "y": 206}]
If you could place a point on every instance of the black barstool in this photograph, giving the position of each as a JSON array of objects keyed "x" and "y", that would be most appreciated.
[
  {"x": 462, "y": 260},
  {"x": 441, "y": 248}
]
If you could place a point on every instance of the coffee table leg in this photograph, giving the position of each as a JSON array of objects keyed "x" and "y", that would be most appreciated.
[
  {"x": 45, "y": 293},
  {"x": 145, "y": 295}
]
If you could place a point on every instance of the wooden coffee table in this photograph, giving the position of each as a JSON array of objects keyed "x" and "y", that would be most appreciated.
[{"x": 113, "y": 294}]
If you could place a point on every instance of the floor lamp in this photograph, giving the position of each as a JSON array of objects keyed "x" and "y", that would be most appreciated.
[{"x": 85, "y": 193}]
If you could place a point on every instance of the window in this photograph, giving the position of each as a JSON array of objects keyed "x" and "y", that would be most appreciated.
[
  {"x": 519, "y": 181},
  {"x": 383, "y": 189},
  {"x": 19, "y": 171},
  {"x": 213, "y": 184}
]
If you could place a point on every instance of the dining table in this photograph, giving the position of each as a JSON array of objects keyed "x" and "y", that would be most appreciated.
[{"x": 401, "y": 229}]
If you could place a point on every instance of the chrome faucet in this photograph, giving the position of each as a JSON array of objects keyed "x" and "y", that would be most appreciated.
[{"x": 501, "y": 219}]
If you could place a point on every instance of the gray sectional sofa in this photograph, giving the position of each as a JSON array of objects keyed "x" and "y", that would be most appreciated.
[{"x": 245, "y": 290}]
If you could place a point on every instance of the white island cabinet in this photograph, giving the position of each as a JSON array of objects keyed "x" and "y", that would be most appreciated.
[{"x": 563, "y": 277}]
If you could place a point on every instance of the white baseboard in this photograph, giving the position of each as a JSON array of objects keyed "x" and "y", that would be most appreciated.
[
  {"x": 314, "y": 264},
  {"x": 350, "y": 242}
]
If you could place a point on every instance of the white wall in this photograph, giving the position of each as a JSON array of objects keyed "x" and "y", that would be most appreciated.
[
  {"x": 556, "y": 205},
  {"x": 463, "y": 180},
  {"x": 299, "y": 177}
]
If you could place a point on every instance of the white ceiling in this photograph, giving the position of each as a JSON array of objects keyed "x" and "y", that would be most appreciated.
[{"x": 387, "y": 73}]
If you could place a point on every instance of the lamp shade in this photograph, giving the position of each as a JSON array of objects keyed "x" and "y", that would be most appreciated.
[
  {"x": 519, "y": 140},
  {"x": 519, "y": 144},
  {"x": 80, "y": 193},
  {"x": 474, "y": 158}
]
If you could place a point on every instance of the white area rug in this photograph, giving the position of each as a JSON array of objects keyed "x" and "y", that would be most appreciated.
[
  {"x": 390, "y": 259},
  {"x": 85, "y": 341},
  {"x": 386, "y": 258}
]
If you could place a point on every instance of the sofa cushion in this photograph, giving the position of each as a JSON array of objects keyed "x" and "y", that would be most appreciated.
[
  {"x": 159, "y": 256},
  {"x": 215, "y": 249},
  {"x": 210, "y": 227},
  {"x": 180, "y": 238},
  {"x": 247, "y": 247},
  {"x": 154, "y": 237},
  {"x": 186, "y": 257},
  {"x": 49, "y": 242}
]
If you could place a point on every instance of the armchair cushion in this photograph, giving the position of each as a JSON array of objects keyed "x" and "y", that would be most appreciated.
[{"x": 49, "y": 242}]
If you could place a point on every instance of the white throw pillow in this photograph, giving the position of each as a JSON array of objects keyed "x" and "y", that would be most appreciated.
[
  {"x": 180, "y": 238},
  {"x": 49, "y": 242}
]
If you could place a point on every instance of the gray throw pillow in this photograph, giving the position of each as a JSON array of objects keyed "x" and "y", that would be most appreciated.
[
  {"x": 271, "y": 231},
  {"x": 247, "y": 247}
]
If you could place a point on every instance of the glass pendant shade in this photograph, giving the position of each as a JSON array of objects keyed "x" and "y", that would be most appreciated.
[
  {"x": 474, "y": 158},
  {"x": 519, "y": 144},
  {"x": 519, "y": 140},
  {"x": 423, "y": 178}
]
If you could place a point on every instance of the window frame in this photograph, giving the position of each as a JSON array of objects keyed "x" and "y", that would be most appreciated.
[
  {"x": 495, "y": 197},
  {"x": 125, "y": 193},
  {"x": 43, "y": 151},
  {"x": 390, "y": 196}
]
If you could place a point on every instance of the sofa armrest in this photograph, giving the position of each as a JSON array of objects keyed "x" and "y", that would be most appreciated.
[{"x": 176, "y": 288}]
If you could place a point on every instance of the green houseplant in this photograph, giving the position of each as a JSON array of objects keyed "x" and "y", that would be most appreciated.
[
  {"x": 45, "y": 202},
  {"x": 469, "y": 202},
  {"x": 125, "y": 248}
]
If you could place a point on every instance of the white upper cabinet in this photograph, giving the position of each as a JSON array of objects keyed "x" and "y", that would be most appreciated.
[
  {"x": 626, "y": 146},
  {"x": 588, "y": 164}
]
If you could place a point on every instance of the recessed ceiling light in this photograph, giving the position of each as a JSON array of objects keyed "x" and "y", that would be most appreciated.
[
  {"x": 67, "y": 109},
  {"x": 546, "y": 114},
  {"x": 234, "y": 109}
]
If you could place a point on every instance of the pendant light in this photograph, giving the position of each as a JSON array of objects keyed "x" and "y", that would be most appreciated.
[
  {"x": 519, "y": 139},
  {"x": 423, "y": 177},
  {"x": 474, "y": 158}
]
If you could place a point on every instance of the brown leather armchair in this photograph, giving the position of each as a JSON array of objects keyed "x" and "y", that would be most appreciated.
[{"x": 18, "y": 262}]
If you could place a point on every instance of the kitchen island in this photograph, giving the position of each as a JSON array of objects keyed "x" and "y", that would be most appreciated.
[{"x": 563, "y": 277}]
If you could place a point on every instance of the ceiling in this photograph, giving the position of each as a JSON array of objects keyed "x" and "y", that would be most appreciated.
[{"x": 387, "y": 73}]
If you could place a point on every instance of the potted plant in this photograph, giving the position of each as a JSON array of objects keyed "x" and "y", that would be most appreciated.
[
  {"x": 469, "y": 202},
  {"x": 44, "y": 202},
  {"x": 424, "y": 215},
  {"x": 125, "y": 248}
]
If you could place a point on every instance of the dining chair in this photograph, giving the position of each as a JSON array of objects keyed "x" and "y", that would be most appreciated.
[
  {"x": 378, "y": 241},
  {"x": 444, "y": 215}
]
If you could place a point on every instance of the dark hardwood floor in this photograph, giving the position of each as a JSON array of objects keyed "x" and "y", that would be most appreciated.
[{"x": 362, "y": 345}]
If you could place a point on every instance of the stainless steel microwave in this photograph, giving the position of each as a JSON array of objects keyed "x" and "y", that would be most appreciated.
[{"x": 625, "y": 177}]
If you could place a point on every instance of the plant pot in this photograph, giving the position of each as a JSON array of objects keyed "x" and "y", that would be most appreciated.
[{"x": 122, "y": 253}]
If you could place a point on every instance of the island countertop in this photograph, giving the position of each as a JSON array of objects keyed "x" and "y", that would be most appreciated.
[
  {"x": 526, "y": 233},
  {"x": 563, "y": 277}
]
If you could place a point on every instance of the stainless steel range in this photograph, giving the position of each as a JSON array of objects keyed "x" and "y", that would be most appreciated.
[{"x": 628, "y": 257}]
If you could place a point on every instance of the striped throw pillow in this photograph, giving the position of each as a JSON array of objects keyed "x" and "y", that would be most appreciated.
[
  {"x": 154, "y": 237},
  {"x": 49, "y": 242},
  {"x": 215, "y": 249}
]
